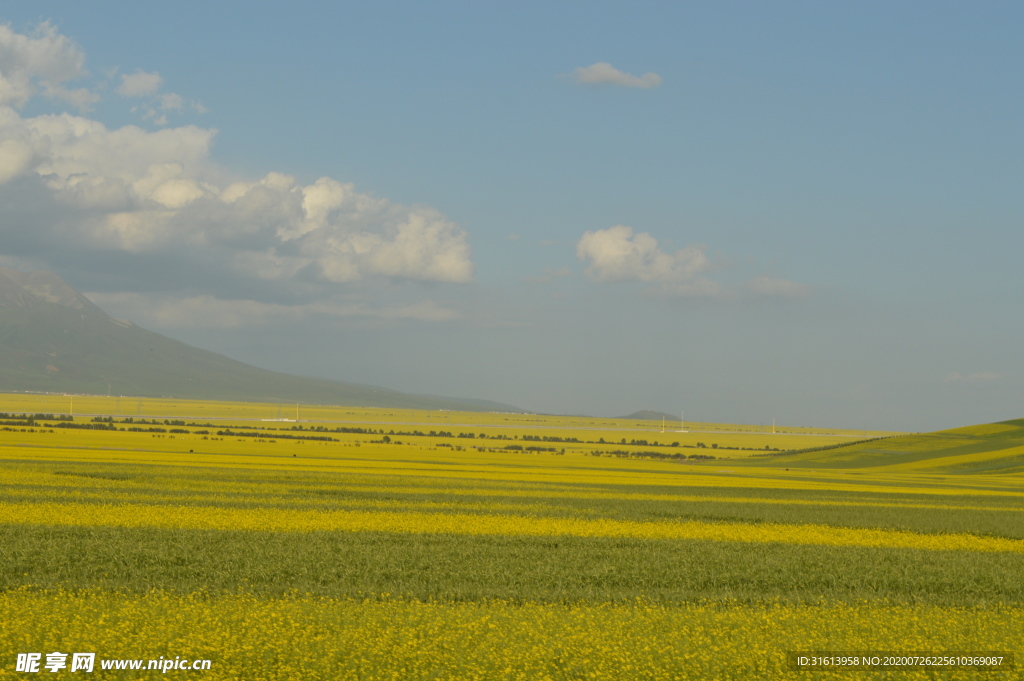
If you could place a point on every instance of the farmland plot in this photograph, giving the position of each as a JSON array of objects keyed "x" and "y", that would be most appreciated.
[{"x": 356, "y": 548}]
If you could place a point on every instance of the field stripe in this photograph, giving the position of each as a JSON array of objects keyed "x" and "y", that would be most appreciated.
[
  {"x": 290, "y": 495},
  {"x": 300, "y": 520}
]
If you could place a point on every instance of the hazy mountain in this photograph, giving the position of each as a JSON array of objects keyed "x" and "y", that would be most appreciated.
[
  {"x": 53, "y": 339},
  {"x": 648, "y": 415}
]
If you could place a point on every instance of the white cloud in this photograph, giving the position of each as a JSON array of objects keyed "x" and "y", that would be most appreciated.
[
  {"x": 603, "y": 73},
  {"x": 41, "y": 64},
  {"x": 83, "y": 163},
  {"x": 15, "y": 157},
  {"x": 141, "y": 191},
  {"x": 139, "y": 84},
  {"x": 977, "y": 377},
  {"x": 80, "y": 98},
  {"x": 348, "y": 235},
  {"x": 157, "y": 195},
  {"x": 616, "y": 254}
]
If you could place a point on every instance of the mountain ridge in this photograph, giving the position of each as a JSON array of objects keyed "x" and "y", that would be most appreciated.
[
  {"x": 54, "y": 339},
  {"x": 648, "y": 415}
]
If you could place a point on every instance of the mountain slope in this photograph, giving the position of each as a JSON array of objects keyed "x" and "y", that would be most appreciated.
[{"x": 53, "y": 339}]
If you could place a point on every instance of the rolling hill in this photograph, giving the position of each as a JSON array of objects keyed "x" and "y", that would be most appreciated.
[
  {"x": 988, "y": 448},
  {"x": 53, "y": 339}
]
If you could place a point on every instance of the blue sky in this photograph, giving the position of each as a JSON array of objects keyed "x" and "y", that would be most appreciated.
[{"x": 800, "y": 211}]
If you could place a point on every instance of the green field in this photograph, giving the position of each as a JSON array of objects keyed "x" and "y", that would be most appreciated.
[{"x": 378, "y": 544}]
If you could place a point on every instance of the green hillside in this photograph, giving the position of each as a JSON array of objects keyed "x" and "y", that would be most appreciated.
[
  {"x": 52, "y": 339},
  {"x": 988, "y": 448}
]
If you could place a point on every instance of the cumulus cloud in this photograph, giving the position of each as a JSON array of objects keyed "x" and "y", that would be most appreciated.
[
  {"x": 140, "y": 191},
  {"x": 603, "y": 73},
  {"x": 42, "y": 63},
  {"x": 977, "y": 377},
  {"x": 15, "y": 157},
  {"x": 69, "y": 184},
  {"x": 617, "y": 254}
]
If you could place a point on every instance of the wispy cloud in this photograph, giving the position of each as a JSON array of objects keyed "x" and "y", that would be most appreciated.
[
  {"x": 158, "y": 104},
  {"x": 211, "y": 312},
  {"x": 603, "y": 73}
]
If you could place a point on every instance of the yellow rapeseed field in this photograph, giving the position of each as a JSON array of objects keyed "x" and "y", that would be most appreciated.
[
  {"x": 301, "y": 520},
  {"x": 506, "y": 469},
  {"x": 279, "y": 413},
  {"x": 801, "y": 548},
  {"x": 312, "y": 639},
  {"x": 28, "y": 484}
]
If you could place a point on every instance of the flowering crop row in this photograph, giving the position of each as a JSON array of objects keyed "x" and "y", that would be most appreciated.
[{"x": 303, "y": 520}]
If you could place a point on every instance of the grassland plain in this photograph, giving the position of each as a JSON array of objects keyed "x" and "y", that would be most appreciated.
[{"x": 331, "y": 554}]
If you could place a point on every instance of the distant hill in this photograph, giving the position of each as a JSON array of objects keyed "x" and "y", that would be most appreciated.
[
  {"x": 53, "y": 339},
  {"x": 989, "y": 448},
  {"x": 647, "y": 415}
]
